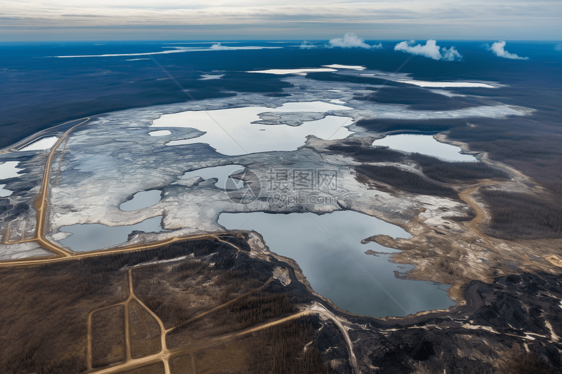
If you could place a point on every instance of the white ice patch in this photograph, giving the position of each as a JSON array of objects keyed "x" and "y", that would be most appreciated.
[
  {"x": 424, "y": 144},
  {"x": 221, "y": 173},
  {"x": 337, "y": 101},
  {"x": 214, "y": 47},
  {"x": 4, "y": 192},
  {"x": 9, "y": 170},
  {"x": 160, "y": 133},
  {"x": 432, "y": 84},
  {"x": 41, "y": 145},
  {"x": 293, "y": 71},
  {"x": 351, "y": 67},
  {"x": 207, "y": 77},
  {"x": 231, "y": 131},
  {"x": 447, "y": 84},
  {"x": 491, "y": 111}
]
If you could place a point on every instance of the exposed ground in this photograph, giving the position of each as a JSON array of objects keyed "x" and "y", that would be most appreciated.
[{"x": 199, "y": 299}]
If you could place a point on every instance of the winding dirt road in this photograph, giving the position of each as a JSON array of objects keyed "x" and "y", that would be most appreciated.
[{"x": 481, "y": 214}]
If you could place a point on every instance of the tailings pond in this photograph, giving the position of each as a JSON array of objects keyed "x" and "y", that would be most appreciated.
[
  {"x": 92, "y": 236},
  {"x": 141, "y": 200},
  {"x": 424, "y": 144},
  {"x": 329, "y": 251}
]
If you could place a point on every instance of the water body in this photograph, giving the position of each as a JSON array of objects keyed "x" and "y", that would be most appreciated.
[
  {"x": 9, "y": 169},
  {"x": 92, "y": 236},
  {"x": 41, "y": 145},
  {"x": 219, "y": 172},
  {"x": 142, "y": 200},
  {"x": 424, "y": 144},
  {"x": 238, "y": 135},
  {"x": 328, "y": 249},
  {"x": 4, "y": 192}
]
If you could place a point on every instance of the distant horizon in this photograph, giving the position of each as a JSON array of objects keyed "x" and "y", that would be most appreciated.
[
  {"x": 64, "y": 20},
  {"x": 276, "y": 40}
]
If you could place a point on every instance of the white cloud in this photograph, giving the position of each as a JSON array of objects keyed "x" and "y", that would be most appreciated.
[
  {"x": 430, "y": 50},
  {"x": 450, "y": 54},
  {"x": 350, "y": 40},
  {"x": 307, "y": 45},
  {"x": 498, "y": 49}
]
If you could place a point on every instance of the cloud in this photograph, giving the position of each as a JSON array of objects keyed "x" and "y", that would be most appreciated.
[
  {"x": 558, "y": 47},
  {"x": 350, "y": 40},
  {"x": 498, "y": 49},
  {"x": 430, "y": 50},
  {"x": 276, "y": 19},
  {"x": 307, "y": 45},
  {"x": 451, "y": 54}
]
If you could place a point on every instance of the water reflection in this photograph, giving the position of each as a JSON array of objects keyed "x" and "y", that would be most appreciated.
[
  {"x": 142, "y": 200},
  {"x": 424, "y": 144},
  {"x": 237, "y": 134},
  {"x": 89, "y": 237},
  {"x": 328, "y": 249}
]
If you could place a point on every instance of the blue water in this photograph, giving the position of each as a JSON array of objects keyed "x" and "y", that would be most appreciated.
[
  {"x": 38, "y": 90},
  {"x": 329, "y": 252}
]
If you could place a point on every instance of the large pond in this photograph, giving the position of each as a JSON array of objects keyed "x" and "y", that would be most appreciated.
[
  {"x": 424, "y": 144},
  {"x": 92, "y": 236},
  {"x": 329, "y": 251},
  {"x": 234, "y": 131}
]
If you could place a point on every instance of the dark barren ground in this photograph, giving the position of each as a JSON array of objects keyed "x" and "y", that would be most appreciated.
[
  {"x": 220, "y": 307},
  {"x": 509, "y": 326}
]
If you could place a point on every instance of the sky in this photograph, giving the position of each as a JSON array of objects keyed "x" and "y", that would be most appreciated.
[{"x": 44, "y": 20}]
